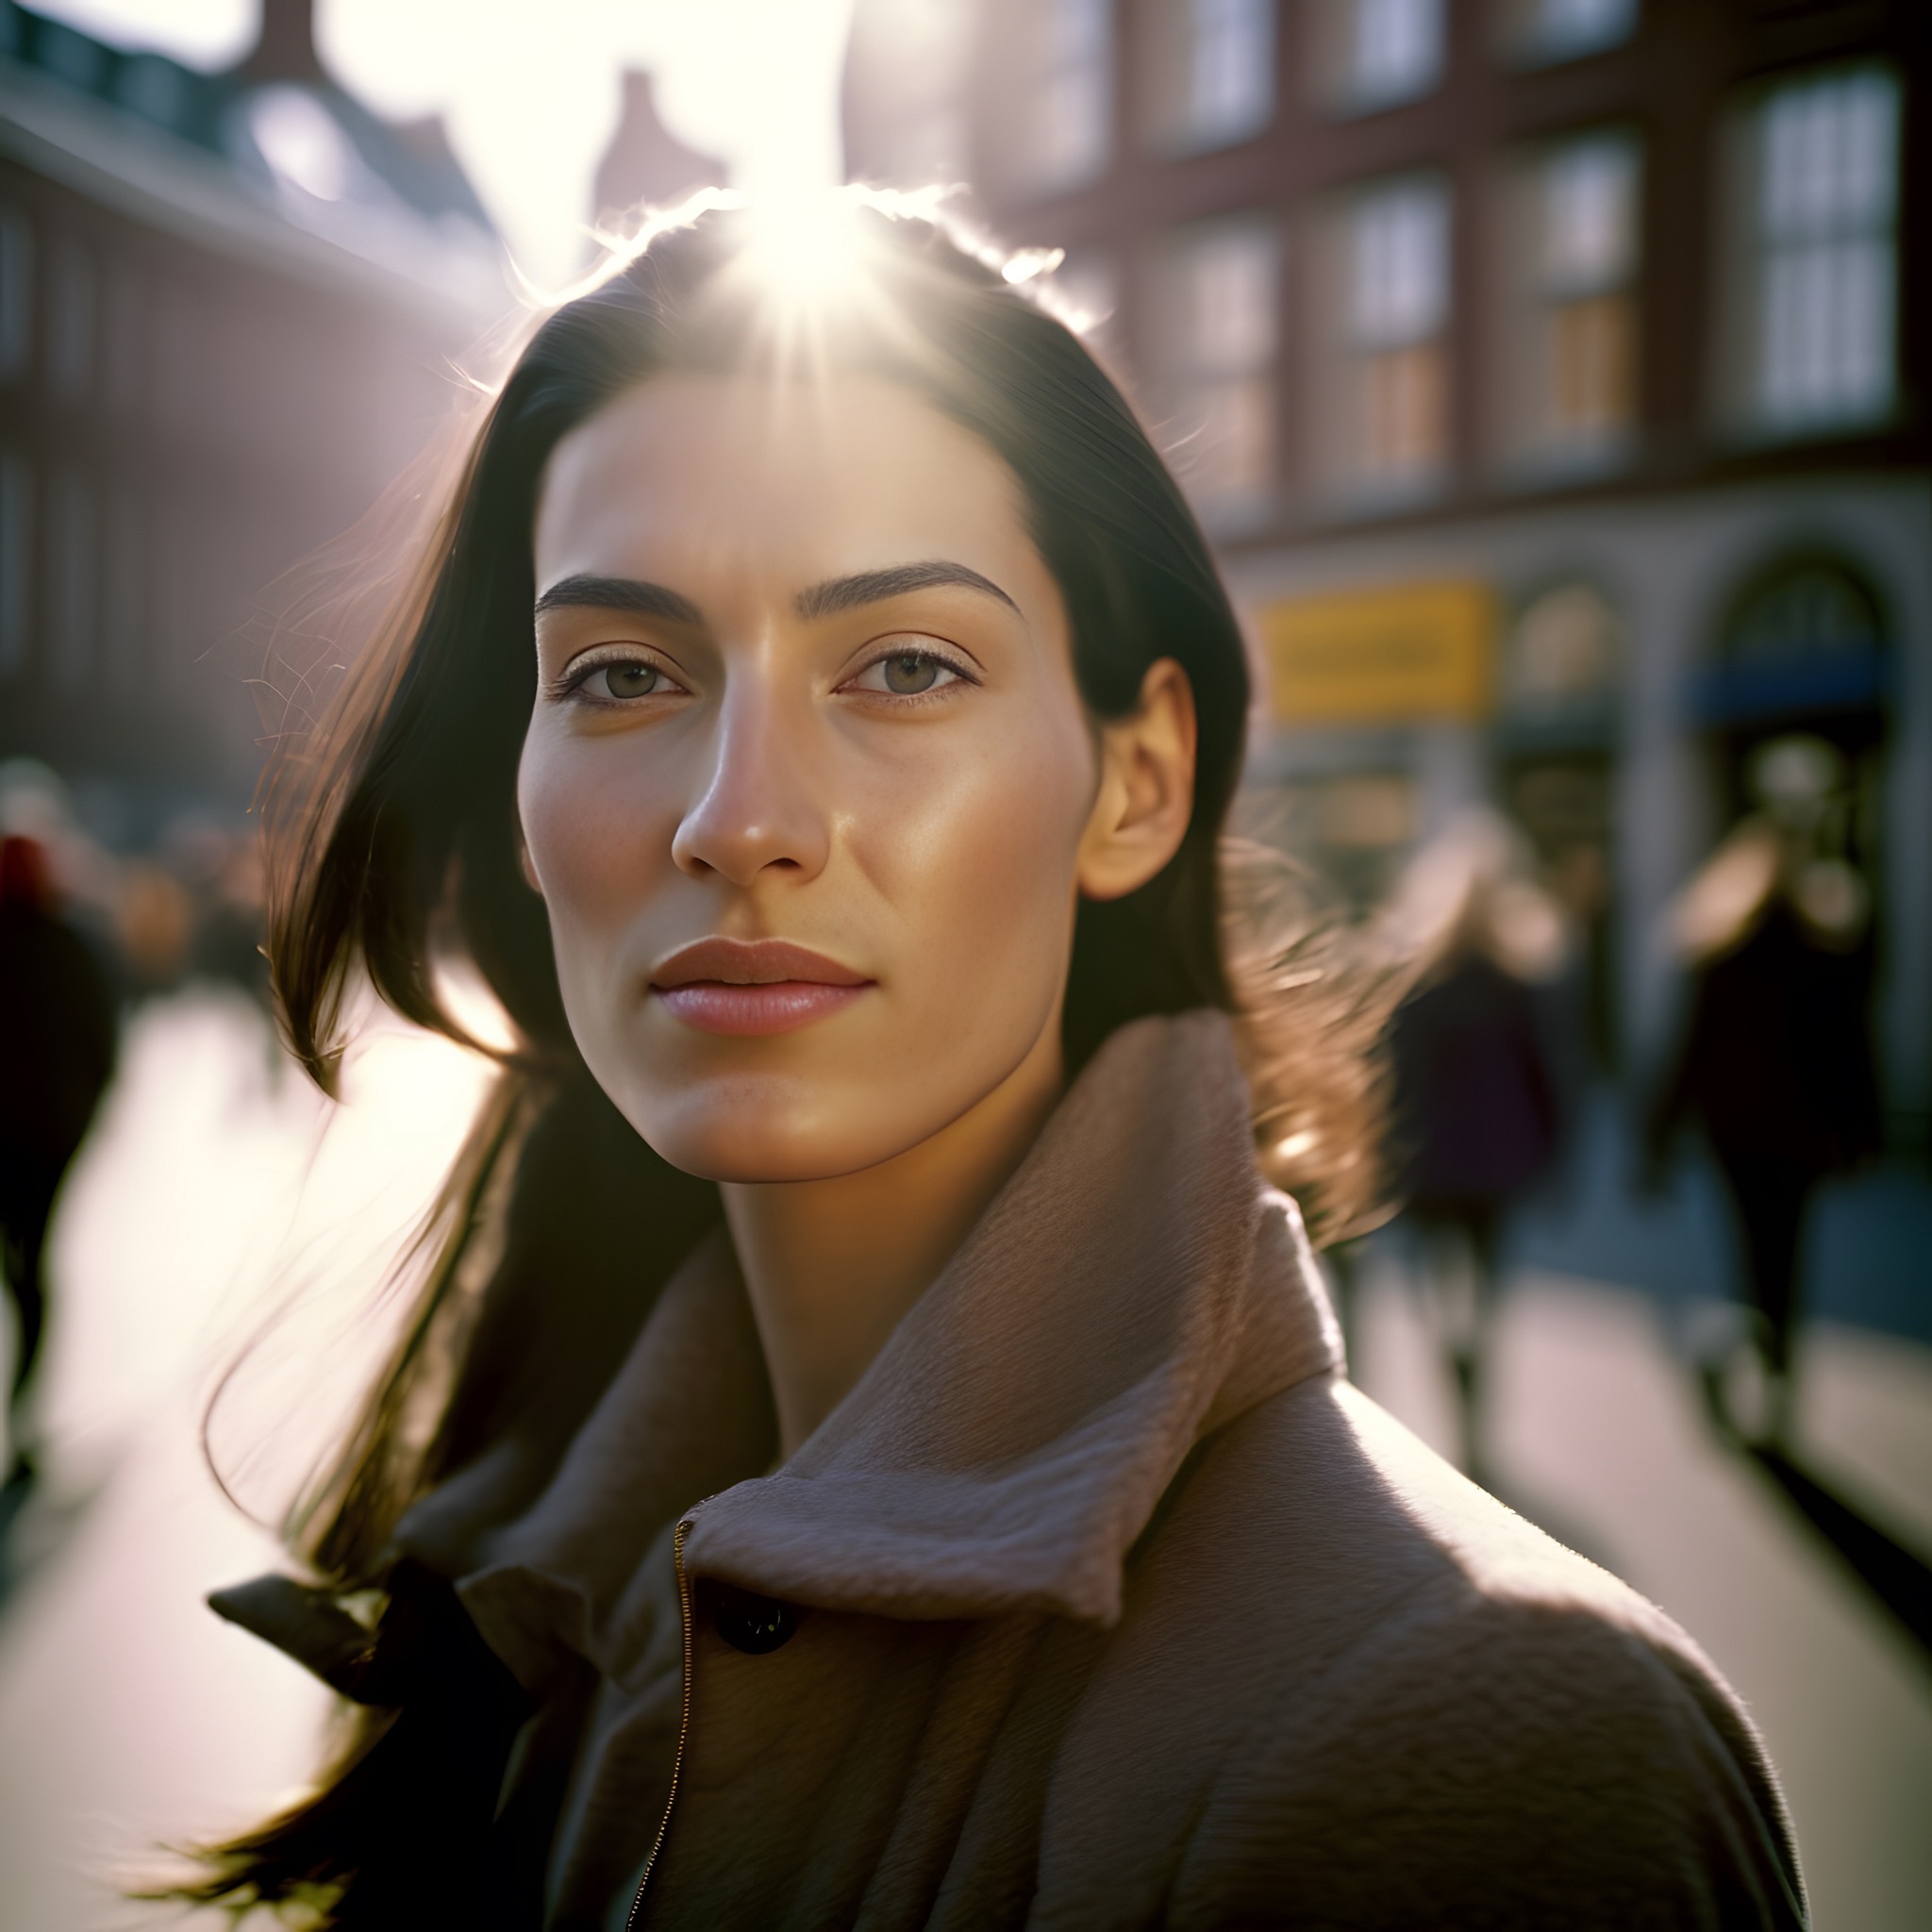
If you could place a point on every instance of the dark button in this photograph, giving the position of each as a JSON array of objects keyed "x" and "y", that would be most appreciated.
[{"x": 750, "y": 1623}]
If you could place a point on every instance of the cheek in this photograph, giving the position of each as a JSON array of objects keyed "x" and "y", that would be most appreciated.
[
  {"x": 977, "y": 854},
  {"x": 592, "y": 826}
]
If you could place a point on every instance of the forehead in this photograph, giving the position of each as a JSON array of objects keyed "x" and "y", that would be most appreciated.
[{"x": 770, "y": 476}]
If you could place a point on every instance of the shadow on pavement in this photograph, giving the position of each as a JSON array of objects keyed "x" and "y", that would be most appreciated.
[{"x": 1899, "y": 1578}]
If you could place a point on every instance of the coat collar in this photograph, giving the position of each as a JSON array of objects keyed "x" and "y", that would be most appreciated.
[{"x": 1134, "y": 1285}]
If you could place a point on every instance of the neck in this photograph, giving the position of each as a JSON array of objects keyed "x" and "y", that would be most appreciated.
[{"x": 830, "y": 1266}]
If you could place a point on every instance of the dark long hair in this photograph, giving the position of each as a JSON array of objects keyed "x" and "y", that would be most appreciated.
[{"x": 394, "y": 852}]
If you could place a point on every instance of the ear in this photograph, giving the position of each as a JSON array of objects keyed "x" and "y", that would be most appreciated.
[{"x": 1146, "y": 793}]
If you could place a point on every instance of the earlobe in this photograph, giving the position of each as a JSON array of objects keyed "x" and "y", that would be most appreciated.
[{"x": 1146, "y": 795}]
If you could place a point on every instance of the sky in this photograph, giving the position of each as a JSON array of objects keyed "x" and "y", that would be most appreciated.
[{"x": 529, "y": 88}]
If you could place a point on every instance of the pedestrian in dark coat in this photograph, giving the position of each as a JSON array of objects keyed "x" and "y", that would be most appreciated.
[
  {"x": 1776, "y": 1061},
  {"x": 1476, "y": 1118},
  {"x": 58, "y": 1028}
]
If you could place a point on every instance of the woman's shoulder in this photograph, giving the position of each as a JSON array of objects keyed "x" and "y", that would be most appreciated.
[
  {"x": 1353, "y": 1521},
  {"x": 1408, "y": 1697}
]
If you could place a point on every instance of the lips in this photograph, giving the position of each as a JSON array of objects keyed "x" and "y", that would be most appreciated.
[{"x": 749, "y": 987}]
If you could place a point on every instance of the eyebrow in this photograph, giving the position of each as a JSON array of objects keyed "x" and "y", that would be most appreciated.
[
  {"x": 620, "y": 594},
  {"x": 875, "y": 586},
  {"x": 645, "y": 599}
]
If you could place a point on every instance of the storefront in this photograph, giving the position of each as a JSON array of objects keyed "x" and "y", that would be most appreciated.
[
  {"x": 1603, "y": 675},
  {"x": 1378, "y": 699}
]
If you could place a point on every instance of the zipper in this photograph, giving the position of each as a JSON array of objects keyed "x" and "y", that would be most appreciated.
[{"x": 637, "y": 1904}]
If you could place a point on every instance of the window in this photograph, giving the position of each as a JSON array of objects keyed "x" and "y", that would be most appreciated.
[
  {"x": 1820, "y": 267},
  {"x": 909, "y": 63},
  {"x": 1806, "y": 642},
  {"x": 1230, "y": 70},
  {"x": 16, "y": 293},
  {"x": 125, "y": 587},
  {"x": 76, "y": 572},
  {"x": 155, "y": 88},
  {"x": 1221, "y": 333},
  {"x": 70, "y": 330},
  {"x": 123, "y": 338},
  {"x": 1551, "y": 30},
  {"x": 1210, "y": 71},
  {"x": 76, "y": 58},
  {"x": 1066, "y": 97},
  {"x": 1389, "y": 411},
  {"x": 1381, "y": 53},
  {"x": 1571, "y": 380},
  {"x": 16, "y": 561}
]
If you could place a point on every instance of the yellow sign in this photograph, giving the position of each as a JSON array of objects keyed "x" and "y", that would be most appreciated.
[{"x": 1384, "y": 656}]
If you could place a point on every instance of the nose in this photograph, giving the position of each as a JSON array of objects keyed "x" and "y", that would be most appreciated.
[{"x": 756, "y": 808}]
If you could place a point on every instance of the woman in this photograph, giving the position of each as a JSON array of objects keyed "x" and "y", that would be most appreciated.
[
  {"x": 873, "y": 1448},
  {"x": 1776, "y": 1061},
  {"x": 1475, "y": 1108}
]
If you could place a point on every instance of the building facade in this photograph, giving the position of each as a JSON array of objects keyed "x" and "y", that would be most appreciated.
[
  {"x": 1551, "y": 375},
  {"x": 229, "y": 310}
]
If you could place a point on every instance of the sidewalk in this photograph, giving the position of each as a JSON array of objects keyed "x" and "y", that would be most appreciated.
[{"x": 131, "y": 1716}]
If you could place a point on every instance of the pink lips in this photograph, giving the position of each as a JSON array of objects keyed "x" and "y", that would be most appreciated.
[{"x": 752, "y": 986}]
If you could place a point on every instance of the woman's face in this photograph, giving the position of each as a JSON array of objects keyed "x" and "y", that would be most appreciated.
[{"x": 808, "y": 787}]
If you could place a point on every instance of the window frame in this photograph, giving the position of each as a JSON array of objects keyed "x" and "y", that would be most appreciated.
[
  {"x": 1169, "y": 46},
  {"x": 1184, "y": 371},
  {"x": 1037, "y": 66},
  {"x": 1525, "y": 438},
  {"x": 1736, "y": 344},
  {"x": 1341, "y": 89},
  {"x": 1528, "y": 42},
  {"x": 1340, "y": 374}
]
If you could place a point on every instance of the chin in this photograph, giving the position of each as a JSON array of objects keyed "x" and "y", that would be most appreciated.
[{"x": 752, "y": 1130}]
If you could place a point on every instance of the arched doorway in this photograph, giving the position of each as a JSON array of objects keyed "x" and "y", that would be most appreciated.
[{"x": 1803, "y": 652}]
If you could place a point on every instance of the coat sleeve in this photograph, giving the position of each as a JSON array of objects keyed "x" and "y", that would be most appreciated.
[{"x": 1499, "y": 1765}]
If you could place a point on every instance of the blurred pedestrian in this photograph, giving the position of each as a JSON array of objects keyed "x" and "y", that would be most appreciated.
[
  {"x": 58, "y": 1028},
  {"x": 1476, "y": 1118},
  {"x": 1776, "y": 1061}
]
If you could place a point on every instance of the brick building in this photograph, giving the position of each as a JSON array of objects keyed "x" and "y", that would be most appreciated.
[
  {"x": 227, "y": 308},
  {"x": 1552, "y": 378}
]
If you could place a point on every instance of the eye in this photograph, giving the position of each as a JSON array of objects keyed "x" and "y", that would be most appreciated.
[
  {"x": 624, "y": 680},
  {"x": 910, "y": 672},
  {"x": 615, "y": 680}
]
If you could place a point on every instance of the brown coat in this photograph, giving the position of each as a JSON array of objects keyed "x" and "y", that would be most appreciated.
[{"x": 1101, "y": 1601}]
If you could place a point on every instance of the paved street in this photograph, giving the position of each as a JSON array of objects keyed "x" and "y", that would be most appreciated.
[{"x": 130, "y": 1718}]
